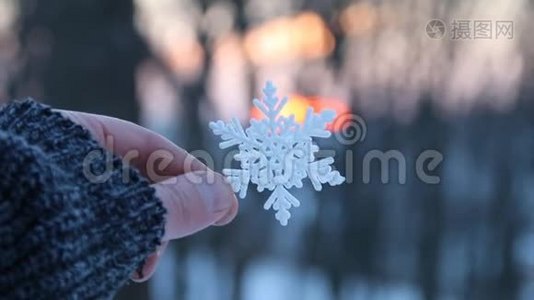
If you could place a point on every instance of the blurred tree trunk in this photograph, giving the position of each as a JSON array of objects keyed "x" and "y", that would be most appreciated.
[{"x": 80, "y": 55}]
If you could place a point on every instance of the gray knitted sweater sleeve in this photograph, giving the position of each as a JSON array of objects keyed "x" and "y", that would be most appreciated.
[{"x": 61, "y": 235}]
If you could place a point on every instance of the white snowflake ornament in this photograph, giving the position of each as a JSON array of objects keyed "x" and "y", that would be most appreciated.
[{"x": 276, "y": 153}]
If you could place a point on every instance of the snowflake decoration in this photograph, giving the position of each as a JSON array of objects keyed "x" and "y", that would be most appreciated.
[{"x": 276, "y": 153}]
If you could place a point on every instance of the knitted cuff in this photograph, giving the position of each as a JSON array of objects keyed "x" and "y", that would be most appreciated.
[{"x": 78, "y": 237}]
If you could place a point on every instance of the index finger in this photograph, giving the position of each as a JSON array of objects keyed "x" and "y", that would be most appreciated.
[{"x": 141, "y": 146}]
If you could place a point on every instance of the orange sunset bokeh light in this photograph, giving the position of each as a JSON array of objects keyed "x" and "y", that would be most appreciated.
[{"x": 297, "y": 105}]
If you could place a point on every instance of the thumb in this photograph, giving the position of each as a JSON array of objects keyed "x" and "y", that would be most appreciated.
[{"x": 194, "y": 201}]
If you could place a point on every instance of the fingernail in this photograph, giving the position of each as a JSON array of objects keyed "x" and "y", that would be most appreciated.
[
  {"x": 229, "y": 216},
  {"x": 216, "y": 196}
]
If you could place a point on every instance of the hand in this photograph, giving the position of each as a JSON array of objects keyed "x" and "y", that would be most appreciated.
[{"x": 190, "y": 207}]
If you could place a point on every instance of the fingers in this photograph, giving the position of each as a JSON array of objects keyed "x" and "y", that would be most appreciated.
[
  {"x": 141, "y": 146},
  {"x": 195, "y": 201},
  {"x": 150, "y": 264},
  {"x": 194, "y": 197}
]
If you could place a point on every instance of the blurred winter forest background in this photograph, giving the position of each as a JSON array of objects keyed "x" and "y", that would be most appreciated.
[{"x": 175, "y": 65}]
